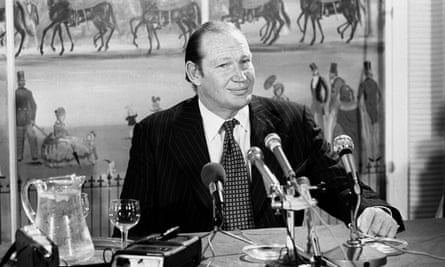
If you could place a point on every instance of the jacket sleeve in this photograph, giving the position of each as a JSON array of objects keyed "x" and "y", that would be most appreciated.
[
  {"x": 140, "y": 180},
  {"x": 324, "y": 86},
  {"x": 32, "y": 107}
]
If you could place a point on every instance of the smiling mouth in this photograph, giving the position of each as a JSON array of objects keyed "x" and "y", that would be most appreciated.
[
  {"x": 239, "y": 89},
  {"x": 239, "y": 92}
]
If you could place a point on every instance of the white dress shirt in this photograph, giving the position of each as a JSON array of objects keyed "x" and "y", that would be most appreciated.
[
  {"x": 214, "y": 132},
  {"x": 314, "y": 81}
]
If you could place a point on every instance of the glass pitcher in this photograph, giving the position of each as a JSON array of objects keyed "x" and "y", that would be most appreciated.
[{"x": 60, "y": 216}]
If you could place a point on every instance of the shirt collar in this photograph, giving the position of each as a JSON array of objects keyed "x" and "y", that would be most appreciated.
[{"x": 212, "y": 123}]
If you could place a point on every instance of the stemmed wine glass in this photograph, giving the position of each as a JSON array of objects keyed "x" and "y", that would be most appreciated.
[{"x": 124, "y": 214}]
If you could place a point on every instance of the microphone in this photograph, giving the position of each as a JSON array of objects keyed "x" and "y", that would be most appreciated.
[
  {"x": 344, "y": 146},
  {"x": 273, "y": 143},
  {"x": 255, "y": 156},
  {"x": 213, "y": 175}
]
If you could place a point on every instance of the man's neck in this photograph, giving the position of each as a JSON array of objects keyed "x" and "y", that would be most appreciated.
[{"x": 223, "y": 114}]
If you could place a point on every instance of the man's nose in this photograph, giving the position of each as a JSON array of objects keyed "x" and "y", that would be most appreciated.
[{"x": 240, "y": 74}]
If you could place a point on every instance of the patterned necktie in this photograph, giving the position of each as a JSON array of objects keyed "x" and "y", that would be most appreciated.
[{"x": 238, "y": 211}]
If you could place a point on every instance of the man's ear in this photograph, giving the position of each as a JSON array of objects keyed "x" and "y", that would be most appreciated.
[{"x": 193, "y": 73}]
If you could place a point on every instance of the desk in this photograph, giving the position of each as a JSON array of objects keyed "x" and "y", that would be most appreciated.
[{"x": 422, "y": 235}]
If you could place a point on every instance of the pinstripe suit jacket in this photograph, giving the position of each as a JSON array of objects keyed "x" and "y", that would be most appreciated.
[{"x": 169, "y": 149}]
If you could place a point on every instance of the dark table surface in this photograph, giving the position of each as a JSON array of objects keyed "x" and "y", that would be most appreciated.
[{"x": 426, "y": 235}]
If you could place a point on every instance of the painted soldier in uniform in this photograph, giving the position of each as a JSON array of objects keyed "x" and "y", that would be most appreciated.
[
  {"x": 369, "y": 97},
  {"x": 320, "y": 96},
  {"x": 25, "y": 117}
]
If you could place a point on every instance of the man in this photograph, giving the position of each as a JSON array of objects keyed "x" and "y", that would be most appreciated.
[
  {"x": 320, "y": 96},
  {"x": 278, "y": 90},
  {"x": 334, "y": 101},
  {"x": 170, "y": 147},
  {"x": 25, "y": 117},
  {"x": 336, "y": 83},
  {"x": 348, "y": 121},
  {"x": 131, "y": 120},
  {"x": 369, "y": 97}
]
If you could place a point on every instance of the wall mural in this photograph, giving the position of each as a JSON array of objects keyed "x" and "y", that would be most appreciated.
[{"x": 94, "y": 68}]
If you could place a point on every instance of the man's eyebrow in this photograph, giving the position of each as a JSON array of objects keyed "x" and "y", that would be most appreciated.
[
  {"x": 220, "y": 59},
  {"x": 227, "y": 58}
]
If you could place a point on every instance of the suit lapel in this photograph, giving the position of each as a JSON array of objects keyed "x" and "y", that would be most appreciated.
[
  {"x": 190, "y": 149},
  {"x": 263, "y": 122}
]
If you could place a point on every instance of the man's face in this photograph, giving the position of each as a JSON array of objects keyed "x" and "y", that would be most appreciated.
[
  {"x": 60, "y": 116},
  {"x": 21, "y": 83},
  {"x": 315, "y": 72},
  {"x": 226, "y": 82}
]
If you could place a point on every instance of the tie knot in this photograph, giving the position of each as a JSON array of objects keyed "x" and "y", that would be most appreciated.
[{"x": 229, "y": 125}]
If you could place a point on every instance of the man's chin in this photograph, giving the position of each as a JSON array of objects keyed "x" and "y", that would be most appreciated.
[{"x": 244, "y": 99}]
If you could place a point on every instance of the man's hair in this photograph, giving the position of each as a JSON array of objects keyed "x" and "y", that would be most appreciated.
[{"x": 193, "y": 51}]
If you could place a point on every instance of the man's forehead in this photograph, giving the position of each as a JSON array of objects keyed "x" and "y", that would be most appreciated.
[{"x": 221, "y": 45}]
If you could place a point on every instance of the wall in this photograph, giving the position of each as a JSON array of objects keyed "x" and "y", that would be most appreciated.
[
  {"x": 99, "y": 90},
  {"x": 415, "y": 121}
]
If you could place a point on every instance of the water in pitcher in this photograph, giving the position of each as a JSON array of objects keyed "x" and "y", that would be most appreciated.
[{"x": 60, "y": 217}]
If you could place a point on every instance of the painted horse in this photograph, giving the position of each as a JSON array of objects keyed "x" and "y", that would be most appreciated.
[
  {"x": 352, "y": 14},
  {"x": 157, "y": 14},
  {"x": 61, "y": 13},
  {"x": 316, "y": 9},
  {"x": 273, "y": 12},
  {"x": 151, "y": 22},
  {"x": 22, "y": 21}
]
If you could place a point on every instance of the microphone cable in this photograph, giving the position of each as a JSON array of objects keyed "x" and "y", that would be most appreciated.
[
  {"x": 298, "y": 258},
  {"x": 324, "y": 223}
]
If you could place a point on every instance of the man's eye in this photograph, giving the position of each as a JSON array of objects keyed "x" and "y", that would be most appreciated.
[
  {"x": 245, "y": 61},
  {"x": 223, "y": 65}
]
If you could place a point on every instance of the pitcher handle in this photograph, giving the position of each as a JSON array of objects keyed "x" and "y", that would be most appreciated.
[{"x": 29, "y": 211}]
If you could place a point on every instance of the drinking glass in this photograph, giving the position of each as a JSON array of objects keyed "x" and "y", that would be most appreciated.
[{"x": 124, "y": 214}]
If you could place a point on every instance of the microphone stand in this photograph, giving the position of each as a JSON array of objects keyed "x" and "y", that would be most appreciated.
[
  {"x": 290, "y": 224},
  {"x": 357, "y": 253},
  {"x": 313, "y": 245},
  {"x": 290, "y": 204},
  {"x": 217, "y": 223}
]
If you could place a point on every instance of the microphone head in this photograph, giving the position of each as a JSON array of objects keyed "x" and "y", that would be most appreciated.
[
  {"x": 272, "y": 140},
  {"x": 254, "y": 153},
  {"x": 212, "y": 172},
  {"x": 343, "y": 145}
]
